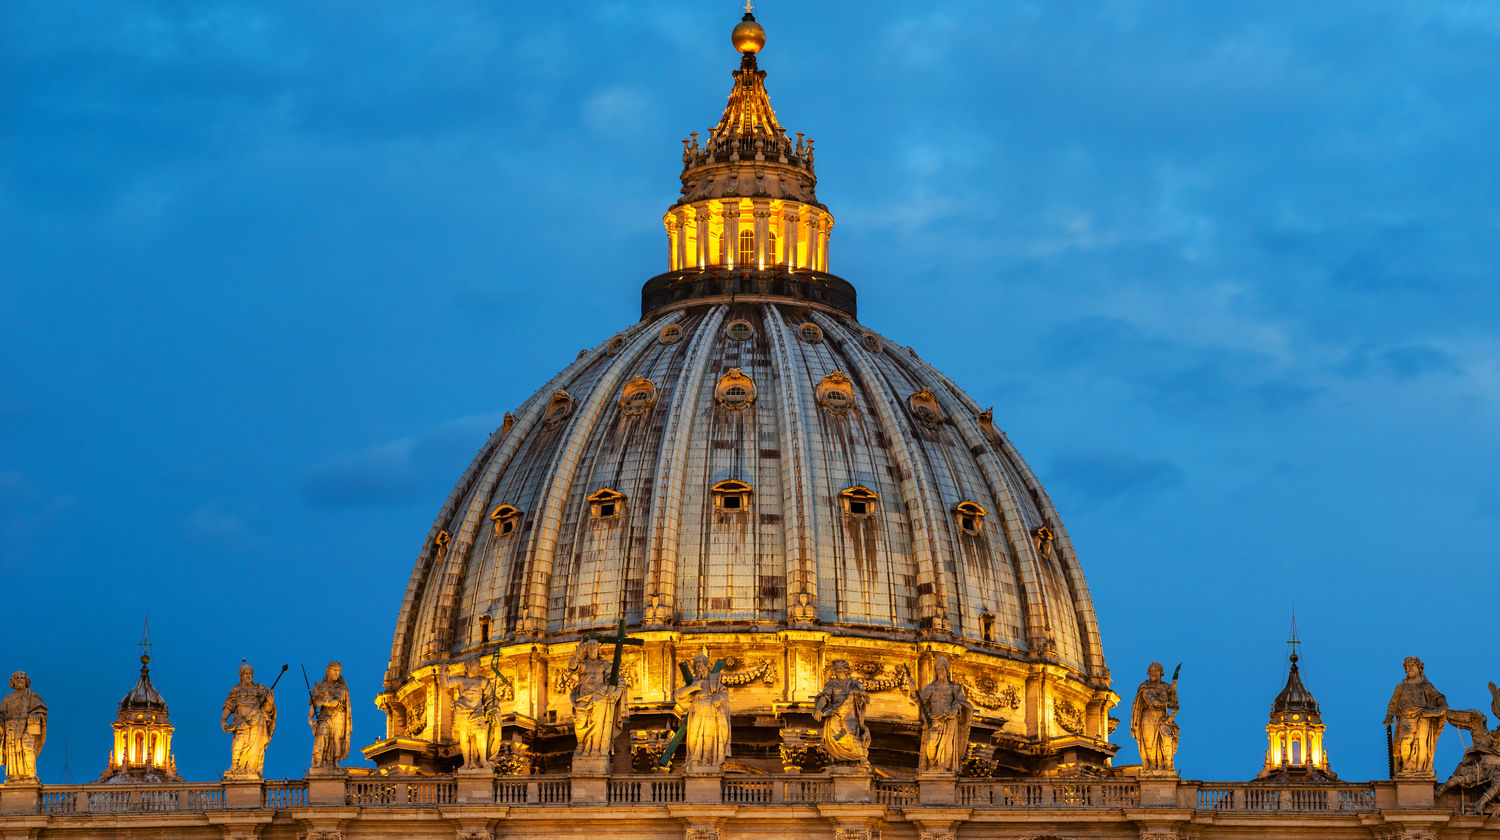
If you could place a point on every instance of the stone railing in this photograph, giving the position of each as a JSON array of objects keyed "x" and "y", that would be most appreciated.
[
  {"x": 1047, "y": 793},
  {"x": 131, "y": 799},
  {"x": 1297, "y": 798},
  {"x": 1039, "y": 794},
  {"x": 401, "y": 791}
]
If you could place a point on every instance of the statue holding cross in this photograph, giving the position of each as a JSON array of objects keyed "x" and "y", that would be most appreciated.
[{"x": 598, "y": 699}]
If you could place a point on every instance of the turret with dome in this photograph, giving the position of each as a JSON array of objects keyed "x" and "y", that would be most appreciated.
[{"x": 750, "y": 471}]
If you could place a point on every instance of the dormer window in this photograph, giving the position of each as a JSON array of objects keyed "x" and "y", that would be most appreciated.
[
  {"x": 731, "y": 497},
  {"x": 484, "y": 628},
  {"x": 606, "y": 504},
  {"x": 1043, "y": 538},
  {"x": 506, "y": 518},
  {"x": 925, "y": 407},
  {"x": 859, "y": 501},
  {"x": 970, "y": 517},
  {"x": 987, "y": 626}
]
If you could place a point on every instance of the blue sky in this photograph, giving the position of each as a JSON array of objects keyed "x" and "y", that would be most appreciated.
[{"x": 270, "y": 273}]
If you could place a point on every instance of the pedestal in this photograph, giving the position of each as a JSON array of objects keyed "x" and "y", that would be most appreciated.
[
  {"x": 851, "y": 784},
  {"x": 475, "y": 787},
  {"x": 242, "y": 794},
  {"x": 590, "y": 789},
  {"x": 21, "y": 796},
  {"x": 937, "y": 788},
  {"x": 325, "y": 786},
  {"x": 1158, "y": 790},
  {"x": 1415, "y": 791},
  {"x": 703, "y": 788}
]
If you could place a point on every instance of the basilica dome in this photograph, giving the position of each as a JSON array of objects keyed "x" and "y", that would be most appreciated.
[{"x": 749, "y": 470}]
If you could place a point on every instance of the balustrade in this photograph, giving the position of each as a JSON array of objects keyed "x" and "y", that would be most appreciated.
[{"x": 1294, "y": 798}]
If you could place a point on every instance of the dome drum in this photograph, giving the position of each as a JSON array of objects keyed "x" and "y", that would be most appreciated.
[{"x": 693, "y": 286}]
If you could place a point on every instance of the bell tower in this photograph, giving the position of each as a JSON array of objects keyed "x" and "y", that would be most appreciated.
[
  {"x": 1296, "y": 752},
  {"x": 143, "y": 732}
]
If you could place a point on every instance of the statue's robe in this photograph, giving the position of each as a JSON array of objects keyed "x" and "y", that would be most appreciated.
[
  {"x": 841, "y": 707},
  {"x": 1416, "y": 731},
  {"x": 946, "y": 716},
  {"x": 330, "y": 700},
  {"x": 23, "y": 731},
  {"x": 707, "y": 722}
]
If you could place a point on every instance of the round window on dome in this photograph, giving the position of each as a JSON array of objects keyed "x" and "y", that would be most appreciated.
[
  {"x": 739, "y": 330},
  {"x": 670, "y": 334},
  {"x": 558, "y": 410},
  {"x": 735, "y": 390},
  {"x": 637, "y": 397},
  {"x": 616, "y": 344},
  {"x": 871, "y": 342},
  {"x": 836, "y": 393},
  {"x": 810, "y": 332},
  {"x": 925, "y": 407}
]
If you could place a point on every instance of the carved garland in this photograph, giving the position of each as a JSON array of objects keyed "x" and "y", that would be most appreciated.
[
  {"x": 987, "y": 693},
  {"x": 1067, "y": 716},
  {"x": 737, "y": 675}
]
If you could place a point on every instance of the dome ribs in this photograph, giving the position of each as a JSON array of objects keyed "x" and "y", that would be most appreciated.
[
  {"x": 916, "y": 489},
  {"x": 796, "y": 479},
  {"x": 536, "y": 592},
  {"x": 665, "y": 521}
]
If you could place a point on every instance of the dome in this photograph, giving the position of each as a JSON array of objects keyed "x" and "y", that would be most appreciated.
[{"x": 750, "y": 471}]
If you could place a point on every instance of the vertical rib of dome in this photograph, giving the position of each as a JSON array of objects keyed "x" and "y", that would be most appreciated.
[
  {"x": 916, "y": 493},
  {"x": 537, "y": 589},
  {"x": 668, "y": 494},
  {"x": 796, "y": 482}
]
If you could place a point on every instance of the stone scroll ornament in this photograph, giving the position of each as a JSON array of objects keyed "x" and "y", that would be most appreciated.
[
  {"x": 840, "y": 707},
  {"x": 1153, "y": 721},
  {"x": 328, "y": 715},
  {"x": 23, "y": 729},
  {"x": 250, "y": 717},
  {"x": 946, "y": 715},
  {"x": 1419, "y": 713},
  {"x": 1479, "y": 770}
]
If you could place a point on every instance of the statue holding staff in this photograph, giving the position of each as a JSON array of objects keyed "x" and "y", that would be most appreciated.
[
  {"x": 23, "y": 729},
  {"x": 328, "y": 715},
  {"x": 250, "y": 716},
  {"x": 1419, "y": 713},
  {"x": 598, "y": 702},
  {"x": 1153, "y": 720}
]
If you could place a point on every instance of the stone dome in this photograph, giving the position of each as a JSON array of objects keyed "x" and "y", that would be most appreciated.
[{"x": 750, "y": 470}]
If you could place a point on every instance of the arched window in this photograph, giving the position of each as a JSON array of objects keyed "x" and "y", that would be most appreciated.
[
  {"x": 638, "y": 396},
  {"x": 731, "y": 496},
  {"x": 138, "y": 753},
  {"x": 747, "y": 248},
  {"x": 970, "y": 517},
  {"x": 773, "y": 247},
  {"x": 1296, "y": 752}
]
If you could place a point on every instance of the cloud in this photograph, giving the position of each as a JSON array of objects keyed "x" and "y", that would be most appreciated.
[
  {"x": 1402, "y": 363},
  {"x": 402, "y": 470},
  {"x": 1101, "y": 477}
]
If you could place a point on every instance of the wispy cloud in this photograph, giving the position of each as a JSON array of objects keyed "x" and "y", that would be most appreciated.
[{"x": 401, "y": 470}]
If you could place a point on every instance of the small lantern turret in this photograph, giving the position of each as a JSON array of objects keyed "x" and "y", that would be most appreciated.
[
  {"x": 143, "y": 733},
  {"x": 1296, "y": 752}
]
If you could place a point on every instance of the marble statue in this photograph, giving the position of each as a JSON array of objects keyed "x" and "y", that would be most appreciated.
[
  {"x": 328, "y": 715},
  {"x": 23, "y": 729},
  {"x": 841, "y": 708},
  {"x": 1419, "y": 713},
  {"x": 598, "y": 707},
  {"x": 1480, "y": 767},
  {"x": 707, "y": 720},
  {"x": 946, "y": 714},
  {"x": 1153, "y": 721},
  {"x": 473, "y": 714},
  {"x": 250, "y": 716}
]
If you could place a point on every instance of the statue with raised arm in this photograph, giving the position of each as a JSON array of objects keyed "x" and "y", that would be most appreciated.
[
  {"x": 250, "y": 716},
  {"x": 473, "y": 713},
  {"x": 23, "y": 729},
  {"x": 1153, "y": 721},
  {"x": 1419, "y": 713},
  {"x": 946, "y": 714},
  {"x": 598, "y": 707},
  {"x": 841, "y": 708},
  {"x": 707, "y": 719},
  {"x": 1480, "y": 768},
  {"x": 328, "y": 715}
]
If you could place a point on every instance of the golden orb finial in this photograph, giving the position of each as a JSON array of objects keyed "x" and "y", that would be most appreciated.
[{"x": 748, "y": 36}]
